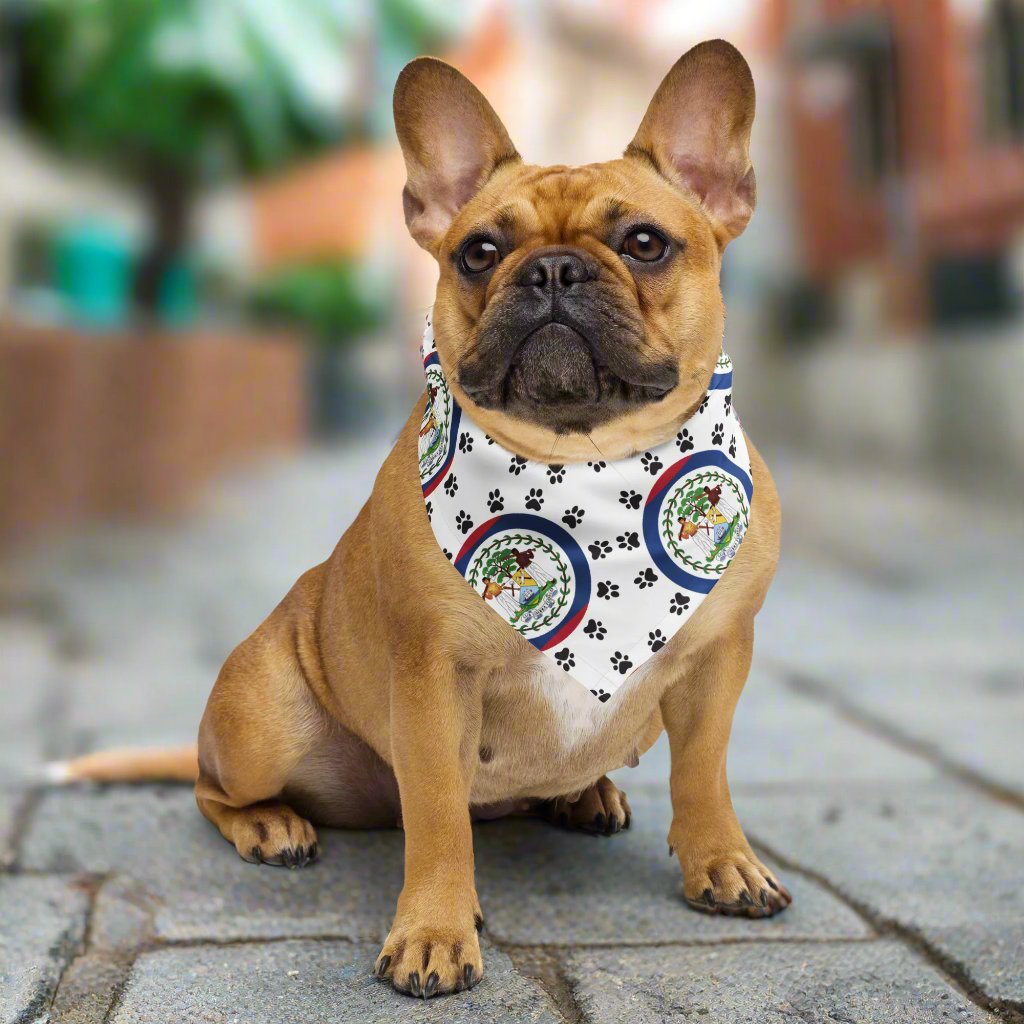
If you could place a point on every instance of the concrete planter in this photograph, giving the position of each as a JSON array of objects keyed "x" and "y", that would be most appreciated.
[{"x": 121, "y": 428}]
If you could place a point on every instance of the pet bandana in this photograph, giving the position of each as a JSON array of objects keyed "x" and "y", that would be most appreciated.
[{"x": 597, "y": 564}]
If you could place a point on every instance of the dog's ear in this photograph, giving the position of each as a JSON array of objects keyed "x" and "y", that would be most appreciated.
[
  {"x": 696, "y": 133},
  {"x": 451, "y": 140}
]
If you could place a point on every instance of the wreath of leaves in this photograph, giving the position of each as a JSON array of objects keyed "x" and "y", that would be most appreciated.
[
  {"x": 442, "y": 386},
  {"x": 474, "y": 576},
  {"x": 723, "y": 362},
  {"x": 669, "y": 515}
]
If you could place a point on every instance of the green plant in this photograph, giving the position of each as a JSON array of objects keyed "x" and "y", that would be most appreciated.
[
  {"x": 329, "y": 300},
  {"x": 172, "y": 93}
]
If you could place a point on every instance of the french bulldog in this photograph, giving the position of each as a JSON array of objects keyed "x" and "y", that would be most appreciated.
[{"x": 578, "y": 309}]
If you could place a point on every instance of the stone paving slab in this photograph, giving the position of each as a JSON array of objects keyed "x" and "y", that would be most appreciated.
[
  {"x": 853, "y": 983},
  {"x": 42, "y": 923},
  {"x": 972, "y": 719},
  {"x": 11, "y": 801},
  {"x": 311, "y": 983},
  {"x": 537, "y": 884},
  {"x": 541, "y": 885},
  {"x": 781, "y": 738},
  {"x": 940, "y": 859}
]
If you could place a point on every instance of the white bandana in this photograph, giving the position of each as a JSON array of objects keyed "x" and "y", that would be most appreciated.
[{"x": 597, "y": 564}]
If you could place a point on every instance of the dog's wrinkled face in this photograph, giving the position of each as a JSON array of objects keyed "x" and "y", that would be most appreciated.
[{"x": 576, "y": 299}]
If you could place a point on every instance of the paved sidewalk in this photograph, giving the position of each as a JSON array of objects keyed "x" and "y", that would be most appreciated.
[{"x": 876, "y": 762}]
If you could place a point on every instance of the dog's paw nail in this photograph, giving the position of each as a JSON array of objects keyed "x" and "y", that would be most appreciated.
[
  {"x": 629, "y": 818},
  {"x": 382, "y": 966},
  {"x": 431, "y": 986},
  {"x": 467, "y": 976},
  {"x": 414, "y": 983},
  {"x": 771, "y": 882},
  {"x": 599, "y": 821},
  {"x": 613, "y": 825},
  {"x": 745, "y": 899},
  {"x": 478, "y": 920},
  {"x": 709, "y": 897},
  {"x": 764, "y": 897},
  {"x": 257, "y": 855}
]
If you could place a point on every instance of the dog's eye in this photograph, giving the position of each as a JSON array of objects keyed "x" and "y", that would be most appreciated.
[
  {"x": 479, "y": 255},
  {"x": 644, "y": 245}
]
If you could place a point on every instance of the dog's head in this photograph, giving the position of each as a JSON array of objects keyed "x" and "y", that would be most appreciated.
[{"x": 580, "y": 307}]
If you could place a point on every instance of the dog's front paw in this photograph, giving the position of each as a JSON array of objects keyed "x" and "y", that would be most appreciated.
[
  {"x": 732, "y": 882},
  {"x": 433, "y": 952}
]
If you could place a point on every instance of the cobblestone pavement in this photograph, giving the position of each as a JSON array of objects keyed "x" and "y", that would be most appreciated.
[{"x": 876, "y": 762}]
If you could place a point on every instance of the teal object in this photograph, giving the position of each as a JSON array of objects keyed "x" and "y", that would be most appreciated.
[
  {"x": 177, "y": 301},
  {"x": 93, "y": 275}
]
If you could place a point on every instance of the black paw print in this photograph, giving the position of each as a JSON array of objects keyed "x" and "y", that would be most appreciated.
[
  {"x": 684, "y": 440},
  {"x": 556, "y": 474},
  {"x": 595, "y": 630},
  {"x": 651, "y": 463},
  {"x": 535, "y": 499},
  {"x": 621, "y": 663},
  {"x": 464, "y": 521},
  {"x": 599, "y": 549},
  {"x": 597, "y": 466},
  {"x": 646, "y": 579},
  {"x": 608, "y": 590},
  {"x": 728, "y": 402},
  {"x": 565, "y": 659},
  {"x": 465, "y": 443},
  {"x": 447, "y": 554},
  {"x": 630, "y": 498},
  {"x": 717, "y": 434},
  {"x": 704, "y": 404},
  {"x": 679, "y": 604},
  {"x": 451, "y": 485},
  {"x": 573, "y": 517},
  {"x": 601, "y": 695},
  {"x": 656, "y": 640},
  {"x": 628, "y": 540},
  {"x": 488, "y": 439},
  {"x": 495, "y": 502},
  {"x": 430, "y": 512},
  {"x": 517, "y": 465},
  {"x": 732, "y": 446}
]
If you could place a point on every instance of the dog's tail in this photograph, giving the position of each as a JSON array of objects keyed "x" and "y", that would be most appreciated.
[{"x": 175, "y": 764}]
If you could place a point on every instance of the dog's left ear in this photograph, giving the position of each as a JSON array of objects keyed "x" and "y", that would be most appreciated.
[
  {"x": 452, "y": 140},
  {"x": 696, "y": 133}
]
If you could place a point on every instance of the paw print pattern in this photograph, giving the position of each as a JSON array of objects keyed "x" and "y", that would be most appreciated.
[
  {"x": 495, "y": 502},
  {"x": 601, "y": 695},
  {"x": 447, "y": 554},
  {"x": 430, "y": 512},
  {"x": 466, "y": 443},
  {"x": 464, "y": 521},
  {"x": 535, "y": 499},
  {"x": 651, "y": 463},
  {"x": 599, "y": 549},
  {"x": 728, "y": 402},
  {"x": 718, "y": 433},
  {"x": 597, "y": 466},
  {"x": 628, "y": 540},
  {"x": 573, "y": 517},
  {"x": 451, "y": 485},
  {"x": 680, "y": 602},
  {"x": 595, "y": 630},
  {"x": 608, "y": 590},
  {"x": 517, "y": 465},
  {"x": 556, "y": 474},
  {"x": 703, "y": 405},
  {"x": 621, "y": 663},
  {"x": 732, "y": 446},
  {"x": 630, "y": 498},
  {"x": 684, "y": 440},
  {"x": 488, "y": 439},
  {"x": 656, "y": 640},
  {"x": 565, "y": 659},
  {"x": 646, "y": 579}
]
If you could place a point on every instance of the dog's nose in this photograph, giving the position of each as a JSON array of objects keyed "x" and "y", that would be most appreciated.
[{"x": 554, "y": 268}]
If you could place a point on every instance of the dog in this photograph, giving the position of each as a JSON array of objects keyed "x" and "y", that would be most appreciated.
[{"x": 357, "y": 703}]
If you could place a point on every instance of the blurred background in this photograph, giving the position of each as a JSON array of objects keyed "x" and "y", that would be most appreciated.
[{"x": 209, "y": 310}]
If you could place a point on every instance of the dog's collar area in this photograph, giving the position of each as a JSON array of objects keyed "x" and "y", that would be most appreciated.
[{"x": 599, "y": 564}]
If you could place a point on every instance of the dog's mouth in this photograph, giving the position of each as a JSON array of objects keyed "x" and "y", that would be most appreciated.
[{"x": 556, "y": 376}]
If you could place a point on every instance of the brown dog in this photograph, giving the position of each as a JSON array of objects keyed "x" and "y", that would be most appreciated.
[{"x": 356, "y": 704}]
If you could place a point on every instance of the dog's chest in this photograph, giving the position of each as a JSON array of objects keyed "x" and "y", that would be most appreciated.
[{"x": 544, "y": 734}]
